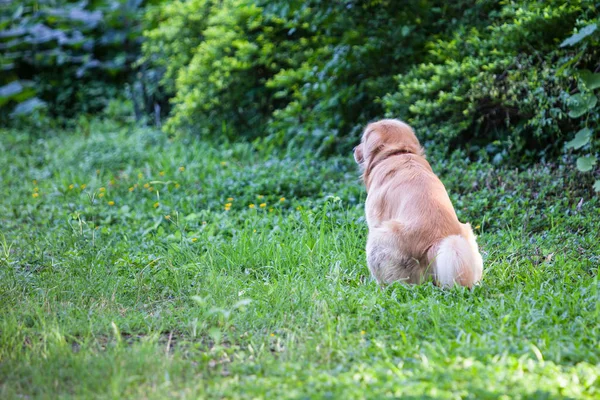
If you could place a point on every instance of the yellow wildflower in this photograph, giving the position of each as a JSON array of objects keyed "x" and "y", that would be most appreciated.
[
  {"x": 194, "y": 240},
  {"x": 282, "y": 199},
  {"x": 111, "y": 203},
  {"x": 131, "y": 189},
  {"x": 35, "y": 195},
  {"x": 251, "y": 205},
  {"x": 162, "y": 173},
  {"x": 102, "y": 189},
  {"x": 299, "y": 208},
  {"x": 146, "y": 185},
  {"x": 101, "y": 195},
  {"x": 227, "y": 205},
  {"x": 151, "y": 188},
  {"x": 272, "y": 334},
  {"x": 223, "y": 163},
  {"x": 230, "y": 199},
  {"x": 167, "y": 217},
  {"x": 83, "y": 186},
  {"x": 259, "y": 196},
  {"x": 177, "y": 185},
  {"x": 181, "y": 169},
  {"x": 270, "y": 210},
  {"x": 71, "y": 186},
  {"x": 36, "y": 189},
  {"x": 156, "y": 204},
  {"x": 362, "y": 332},
  {"x": 263, "y": 205},
  {"x": 478, "y": 226},
  {"x": 35, "y": 182}
]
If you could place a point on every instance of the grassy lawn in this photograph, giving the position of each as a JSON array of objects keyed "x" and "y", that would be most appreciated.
[{"x": 134, "y": 266}]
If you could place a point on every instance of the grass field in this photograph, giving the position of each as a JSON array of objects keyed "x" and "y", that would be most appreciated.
[{"x": 132, "y": 266}]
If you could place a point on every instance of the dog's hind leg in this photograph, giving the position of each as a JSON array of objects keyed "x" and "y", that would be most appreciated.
[{"x": 389, "y": 259}]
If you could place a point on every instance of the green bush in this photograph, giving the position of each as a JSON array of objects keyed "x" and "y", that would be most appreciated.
[
  {"x": 222, "y": 88},
  {"x": 303, "y": 72},
  {"x": 488, "y": 76},
  {"x": 511, "y": 83},
  {"x": 176, "y": 30},
  {"x": 352, "y": 51}
]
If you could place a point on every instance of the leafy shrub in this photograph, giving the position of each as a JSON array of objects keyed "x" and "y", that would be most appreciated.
[
  {"x": 511, "y": 83},
  {"x": 72, "y": 56},
  {"x": 306, "y": 72},
  {"x": 583, "y": 104},
  {"x": 222, "y": 89},
  {"x": 486, "y": 75},
  {"x": 352, "y": 52},
  {"x": 175, "y": 30}
]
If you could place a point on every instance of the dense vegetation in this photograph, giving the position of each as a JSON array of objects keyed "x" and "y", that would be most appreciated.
[
  {"x": 63, "y": 58},
  {"x": 133, "y": 266},
  {"x": 308, "y": 72},
  {"x": 511, "y": 81}
]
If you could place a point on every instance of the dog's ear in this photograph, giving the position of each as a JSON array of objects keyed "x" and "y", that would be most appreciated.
[
  {"x": 371, "y": 142},
  {"x": 358, "y": 154}
]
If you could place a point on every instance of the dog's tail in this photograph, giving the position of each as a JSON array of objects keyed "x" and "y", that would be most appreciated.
[{"x": 457, "y": 260}]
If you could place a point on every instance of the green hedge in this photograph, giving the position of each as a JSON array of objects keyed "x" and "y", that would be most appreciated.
[
  {"x": 306, "y": 72},
  {"x": 512, "y": 80},
  {"x": 511, "y": 84}
]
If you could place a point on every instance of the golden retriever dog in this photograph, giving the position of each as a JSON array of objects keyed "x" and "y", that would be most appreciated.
[{"x": 414, "y": 233}]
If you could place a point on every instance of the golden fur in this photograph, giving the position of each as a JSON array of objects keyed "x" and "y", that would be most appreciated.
[{"x": 414, "y": 232}]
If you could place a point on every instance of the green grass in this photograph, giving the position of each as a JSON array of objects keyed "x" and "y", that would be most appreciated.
[{"x": 114, "y": 300}]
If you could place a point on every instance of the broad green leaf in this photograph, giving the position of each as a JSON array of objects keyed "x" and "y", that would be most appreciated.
[
  {"x": 591, "y": 80},
  {"x": 579, "y": 36},
  {"x": 586, "y": 163},
  {"x": 571, "y": 61},
  {"x": 597, "y": 186},
  {"x": 581, "y": 103},
  {"x": 581, "y": 139},
  {"x": 9, "y": 90},
  {"x": 17, "y": 91},
  {"x": 27, "y": 107}
]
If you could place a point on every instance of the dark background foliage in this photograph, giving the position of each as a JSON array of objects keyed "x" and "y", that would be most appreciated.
[
  {"x": 509, "y": 81},
  {"x": 69, "y": 57}
]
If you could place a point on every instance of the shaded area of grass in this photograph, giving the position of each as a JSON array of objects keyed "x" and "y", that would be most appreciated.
[{"x": 135, "y": 266}]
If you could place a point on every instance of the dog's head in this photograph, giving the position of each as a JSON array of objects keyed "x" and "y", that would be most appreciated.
[{"x": 383, "y": 139}]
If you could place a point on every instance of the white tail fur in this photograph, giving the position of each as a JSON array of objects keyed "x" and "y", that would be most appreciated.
[{"x": 458, "y": 261}]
